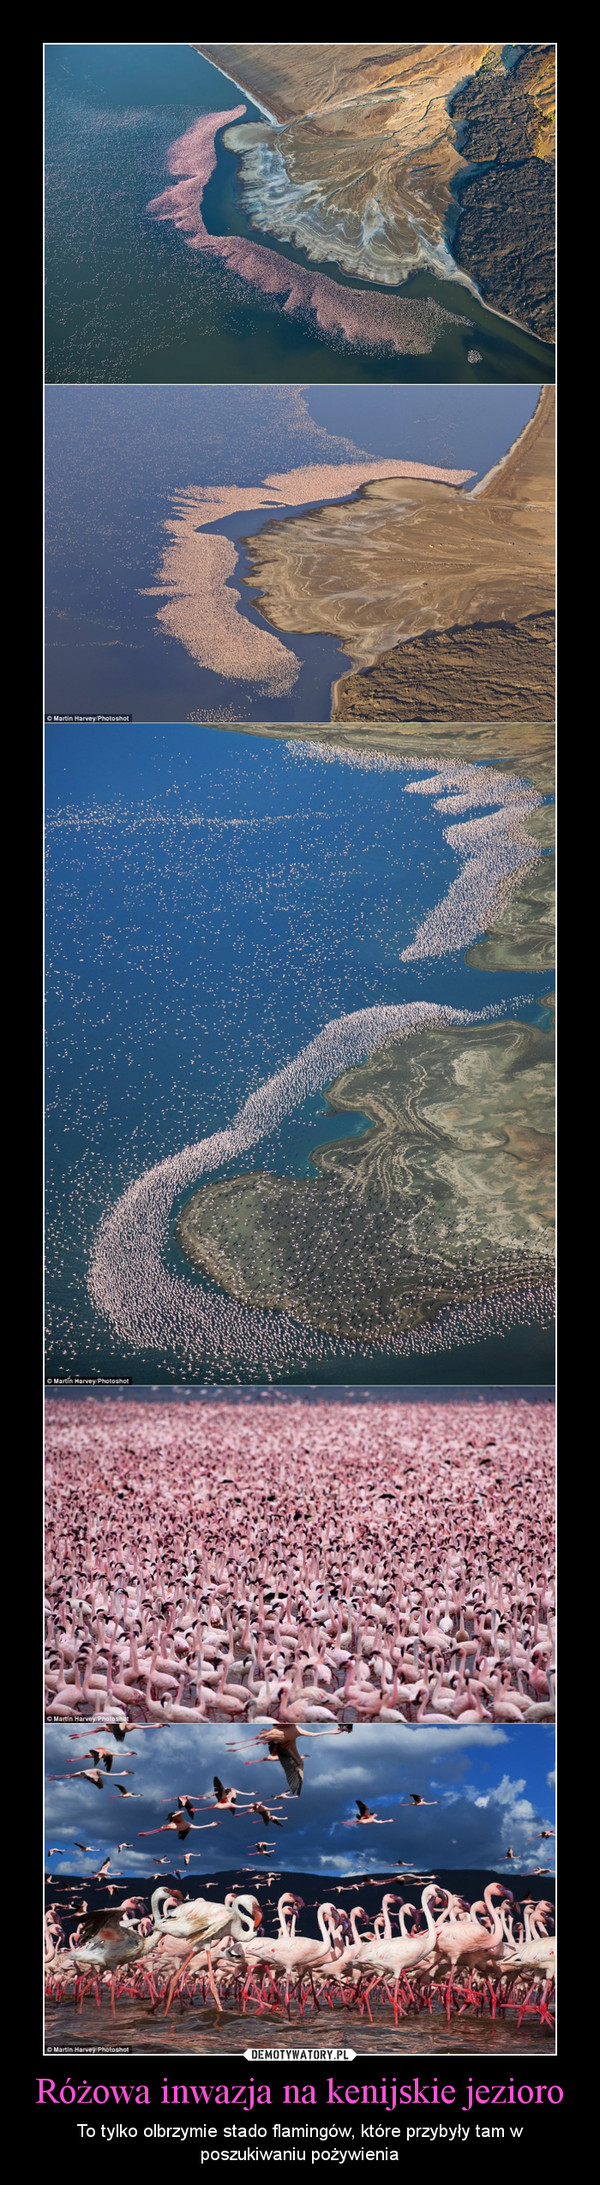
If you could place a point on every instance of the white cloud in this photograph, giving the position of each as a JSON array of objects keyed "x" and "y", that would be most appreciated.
[
  {"x": 330, "y": 1778},
  {"x": 516, "y": 1810}
]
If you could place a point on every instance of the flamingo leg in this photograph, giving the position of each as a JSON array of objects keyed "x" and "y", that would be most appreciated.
[
  {"x": 212, "y": 1981},
  {"x": 177, "y": 1975}
]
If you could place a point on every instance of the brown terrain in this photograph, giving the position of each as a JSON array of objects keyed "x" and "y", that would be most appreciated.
[
  {"x": 504, "y": 236},
  {"x": 446, "y": 1199},
  {"x": 524, "y": 747},
  {"x": 362, "y": 175},
  {"x": 442, "y": 598},
  {"x": 399, "y": 158},
  {"x": 504, "y": 668}
]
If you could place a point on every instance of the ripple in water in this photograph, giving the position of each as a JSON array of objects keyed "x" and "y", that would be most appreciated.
[{"x": 193, "y": 2031}]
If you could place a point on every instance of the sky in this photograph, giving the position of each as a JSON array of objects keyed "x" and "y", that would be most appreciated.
[{"x": 494, "y": 1787}]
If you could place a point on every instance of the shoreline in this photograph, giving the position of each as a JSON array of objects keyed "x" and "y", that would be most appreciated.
[
  {"x": 201, "y": 563},
  {"x": 458, "y": 277},
  {"x": 244, "y": 88},
  {"x": 497, "y": 468}
]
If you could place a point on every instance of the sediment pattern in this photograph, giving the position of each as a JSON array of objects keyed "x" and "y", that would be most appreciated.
[
  {"x": 522, "y": 936},
  {"x": 148, "y": 1305},
  {"x": 503, "y": 669},
  {"x": 409, "y": 558},
  {"x": 345, "y": 316},
  {"x": 361, "y": 172},
  {"x": 365, "y": 149},
  {"x": 447, "y": 1198},
  {"x": 202, "y": 607}
]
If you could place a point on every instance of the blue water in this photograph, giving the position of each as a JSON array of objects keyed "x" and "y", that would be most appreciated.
[
  {"x": 115, "y": 458},
  {"x": 213, "y": 900},
  {"x": 127, "y": 299}
]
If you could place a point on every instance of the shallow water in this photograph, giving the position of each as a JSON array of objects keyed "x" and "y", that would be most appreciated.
[
  {"x": 136, "y": 2029},
  {"x": 129, "y": 301},
  {"x": 213, "y": 901}
]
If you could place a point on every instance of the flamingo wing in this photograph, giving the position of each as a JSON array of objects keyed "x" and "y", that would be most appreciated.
[{"x": 292, "y": 1764}]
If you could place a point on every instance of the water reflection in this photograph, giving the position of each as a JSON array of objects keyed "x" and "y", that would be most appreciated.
[{"x": 214, "y": 2033}]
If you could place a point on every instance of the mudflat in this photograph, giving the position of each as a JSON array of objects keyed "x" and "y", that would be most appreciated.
[
  {"x": 522, "y": 937},
  {"x": 447, "y": 1199},
  {"x": 366, "y": 151},
  {"x": 361, "y": 174},
  {"x": 411, "y": 557}
]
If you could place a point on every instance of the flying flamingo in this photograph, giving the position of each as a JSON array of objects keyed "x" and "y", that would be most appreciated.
[
  {"x": 178, "y": 1821},
  {"x": 89, "y": 1775},
  {"x": 365, "y": 1818},
  {"x": 225, "y": 1795},
  {"x": 271, "y": 1820},
  {"x": 415, "y": 1799},
  {"x": 102, "y": 1752}
]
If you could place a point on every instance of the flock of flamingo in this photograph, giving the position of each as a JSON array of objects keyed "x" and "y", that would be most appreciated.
[
  {"x": 448, "y": 1955},
  {"x": 334, "y": 1562}
]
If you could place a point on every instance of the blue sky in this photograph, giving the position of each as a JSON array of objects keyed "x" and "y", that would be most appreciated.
[{"x": 494, "y": 1785}]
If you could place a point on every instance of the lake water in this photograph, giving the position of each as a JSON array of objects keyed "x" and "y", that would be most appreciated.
[
  {"x": 214, "y": 900},
  {"x": 190, "y": 2031},
  {"x": 129, "y": 301},
  {"x": 116, "y": 459}
]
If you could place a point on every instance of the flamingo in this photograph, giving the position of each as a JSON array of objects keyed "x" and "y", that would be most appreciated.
[
  {"x": 224, "y": 1797},
  {"x": 415, "y": 1799},
  {"x": 153, "y": 1634},
  {"x": 179, "y": 1822},
  {"x": 201, "y": 1923},
  {"x": 396, "y": 1956},
  {"x": 463, "y": 1940},
  {"x": 300, "y": 1954},
  {"x": 366, "y": 1819},
  {"x": 106, "y": 1940}
]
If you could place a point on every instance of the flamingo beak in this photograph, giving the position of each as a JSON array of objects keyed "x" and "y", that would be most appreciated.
[{"x": 257, "y": 1916}]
